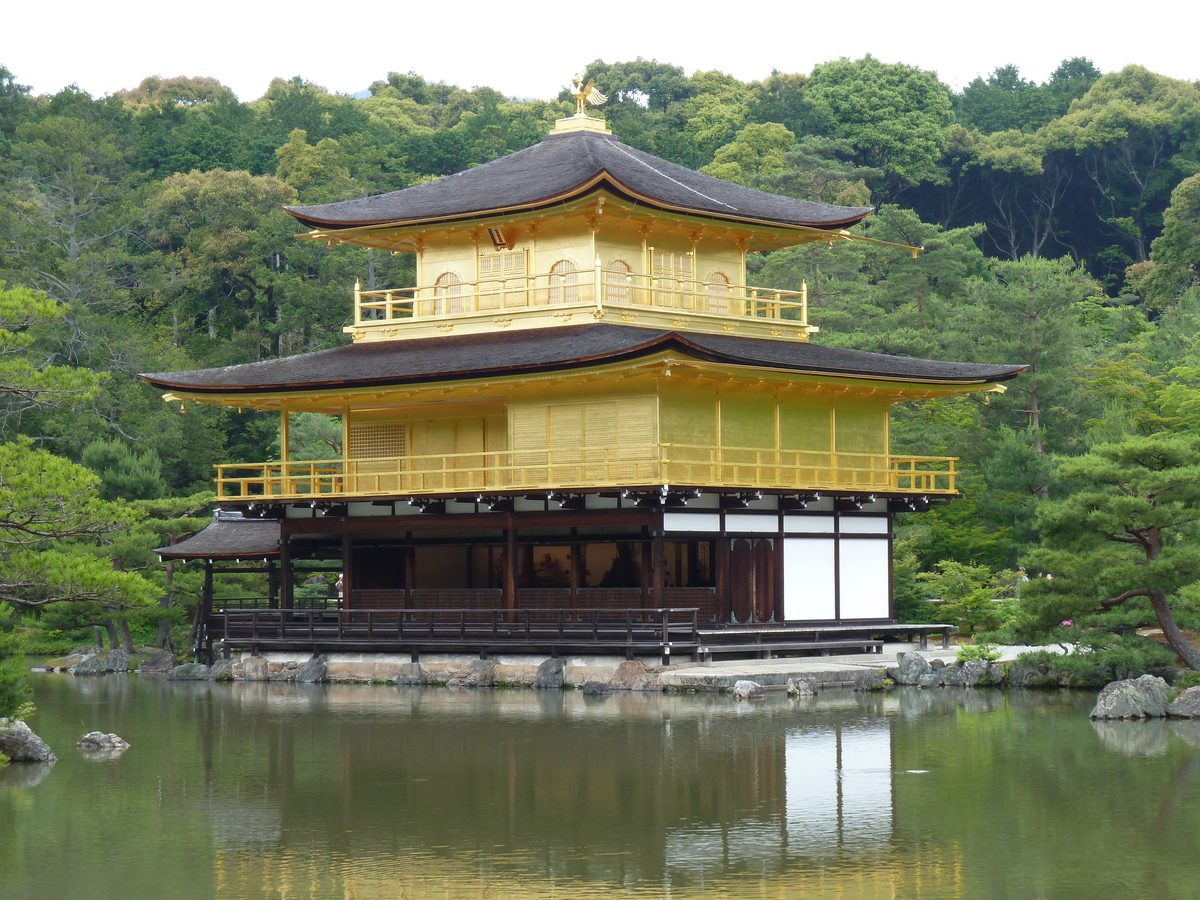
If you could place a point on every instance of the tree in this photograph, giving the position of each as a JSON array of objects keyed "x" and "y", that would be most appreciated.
[
  {"x": 757, "y": 151},
  {"x": 1131, "y": 531},
  {"x": 1174, "y": 264},
  {"x": 1028, "y": 311},
  {"x": 26, "y": 381},
  {"x": 897, "y": 117},
  {"x": 1136, "y": 133}
]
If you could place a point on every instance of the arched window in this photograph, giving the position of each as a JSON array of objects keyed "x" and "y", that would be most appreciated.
[
  {"x": 617, "y": 282},
  {"x": 564, "y": 282},
  {"x": 717, "y": 291},
  {"x": 447, "y": 294}
]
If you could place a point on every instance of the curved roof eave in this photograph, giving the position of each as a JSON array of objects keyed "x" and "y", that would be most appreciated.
[
  {"x": 603, "y": 179},
  {"x": 562, "y": 166},
  {"x": 430, "y": 360}
]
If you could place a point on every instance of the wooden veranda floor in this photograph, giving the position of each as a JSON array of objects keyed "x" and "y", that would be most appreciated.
[{"x": 672, "y": 634}]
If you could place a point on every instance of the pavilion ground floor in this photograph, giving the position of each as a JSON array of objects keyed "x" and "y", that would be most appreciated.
[{"x": 693, "y": 575}]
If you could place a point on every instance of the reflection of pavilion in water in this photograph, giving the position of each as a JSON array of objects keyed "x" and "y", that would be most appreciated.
[
  {"x": 510, "y": 792},
  {"x": 837, "y": 800}
]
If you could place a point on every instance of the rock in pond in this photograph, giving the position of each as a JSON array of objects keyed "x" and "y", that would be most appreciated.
[
  {"x": 480, "y": 673},
  {"x": 98, "y": 740},
  {"x": 1186, "y": 705},
  {"x": 910, "y": 667},
  {"x": 161, "y": 663},
  {"x": 189, "y": 672},
  {"x": 1133, "y": 698},
  {"x": 20, "y": 744},
  {"x": 870, "y": 680},
  {"x": 104, "y": 664},
  {"x": 799, "y": 688},
  {"x": 550, "y": 674},
  {"x": 745, "y": 689},
  {"x": 313, "y": 672}
]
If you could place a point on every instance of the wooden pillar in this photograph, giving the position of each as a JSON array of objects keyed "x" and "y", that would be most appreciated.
[
  {"x": 721, "y": 578},
  {"x": 408, "y": 562},
  {"x": 347, "y": 569},
  {"x": 764, "y": 580},
  {"x": 272, "y": 584},
  {"x": 510, "y": 568},
  {"x": 741, "y": 579},
  {"x": 578, "y": 572},
  {"x": 204, "y": 652},
  {"x": 645, "y": 571},
  {"x": 285, "y": 568},
  {"x": 780, "y": 612},
  {"x": 658, "y": 552}
]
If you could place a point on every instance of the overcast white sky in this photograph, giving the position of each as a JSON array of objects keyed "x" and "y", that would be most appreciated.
[{"x": 532, "y": 48}]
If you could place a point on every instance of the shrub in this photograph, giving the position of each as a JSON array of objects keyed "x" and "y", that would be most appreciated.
[
  {"x": 1103, "y": 658},
  {"x": 986, "y": 652}
]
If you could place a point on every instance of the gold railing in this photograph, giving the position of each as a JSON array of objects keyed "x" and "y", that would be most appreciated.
[
  {"x": 594, "y": 289},
  {"x": 587, "y": 468}
]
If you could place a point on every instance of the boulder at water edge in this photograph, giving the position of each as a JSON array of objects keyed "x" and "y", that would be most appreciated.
[
  {"x": 550, "y": 674},
  {"x": 870, "y": 680},
  {"x": 1133, "y": 698},
  {"x": 799, "y": 688},
  {"x": 105, "y": 664},
  {"x": 313, "y": 672},
  {"x": 480, "y": 673},
  {"x": 20, "y": 744},
  {"x": 910, "y": 667},
  {"x": 98, "y": 740},
  {"x": 161, "y": 663},
  {"x": 748, "y": 690},
  {"x": 189, "y": 672},
  {"x": 1186, "y": 705}
]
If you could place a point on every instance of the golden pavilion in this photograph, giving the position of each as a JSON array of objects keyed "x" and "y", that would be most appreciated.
[{"x": 581, "y": 429}]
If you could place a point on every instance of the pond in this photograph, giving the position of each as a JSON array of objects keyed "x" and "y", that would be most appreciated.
[{"x": 297, "y": 791}]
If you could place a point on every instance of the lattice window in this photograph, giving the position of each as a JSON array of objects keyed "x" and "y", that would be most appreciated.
[
  {"x": 564, "y": 282},
  {"x": 672, "y": 265},
  {"x": 717, "y": 290},
  {"x": 617, "y": 282},
  {"x": 378, "y": 440},
  {"x": 498, "y": 266},
  {"x": 447, "y": 294}
]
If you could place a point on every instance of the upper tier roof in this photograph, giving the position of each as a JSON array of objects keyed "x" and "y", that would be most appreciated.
[
  {"x": 570, "y": 164},
  {"x": 458, "y": 357}
]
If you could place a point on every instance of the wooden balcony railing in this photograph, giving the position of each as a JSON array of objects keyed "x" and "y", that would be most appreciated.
[
  {"x": 588, "y": 289},
  {"x": 586, "y": 468}
]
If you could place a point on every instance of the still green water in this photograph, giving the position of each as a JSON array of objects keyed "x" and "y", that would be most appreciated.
[{"x": 273, "y": 791}]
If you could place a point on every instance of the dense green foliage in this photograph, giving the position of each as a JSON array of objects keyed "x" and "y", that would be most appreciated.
[{"x": 144, "y": 232}]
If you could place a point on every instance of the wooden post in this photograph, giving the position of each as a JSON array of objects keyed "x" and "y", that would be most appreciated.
[
  {"x": 346, "y": 578},
  {"x": 272, "y": 584},
  {"x": 408, "y": 561},
  {"x": 721, "y": 578},
  {"x": 285, "y": 568},
  {"x": 510, "y": 568},
  {"x": 660, "y": 570},
  {"x": 646, "y": 571},
  {"x": 578, "y": 572},
  {"x": 204, "y": 644}
]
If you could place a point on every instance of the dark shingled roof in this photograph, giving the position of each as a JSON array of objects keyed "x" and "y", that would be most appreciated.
[
  {"x": 455, "y": 357},
  {"x": 563, "y": 165},
  {"x": 228, "y": 539}
]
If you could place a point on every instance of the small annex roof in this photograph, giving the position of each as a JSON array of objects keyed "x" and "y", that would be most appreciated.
[
  {"x": 229, "y": 538},
  {"x": 566, "y": 165},
  {"x": 460, "y": 357}
]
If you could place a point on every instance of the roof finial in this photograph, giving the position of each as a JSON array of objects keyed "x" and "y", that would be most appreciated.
[{"x": 585, "y": 95}]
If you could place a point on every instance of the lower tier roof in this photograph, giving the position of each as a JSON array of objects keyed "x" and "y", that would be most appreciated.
[{"x": 458, "y": 357}]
